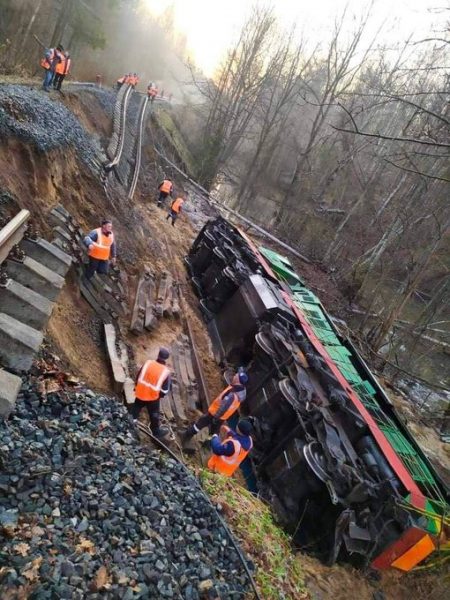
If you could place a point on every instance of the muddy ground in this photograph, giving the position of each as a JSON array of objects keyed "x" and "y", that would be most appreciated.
[{"x": 39, "y": 181}]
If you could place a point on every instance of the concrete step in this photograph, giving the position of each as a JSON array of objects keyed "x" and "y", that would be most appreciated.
[
  {"x": 25, "y": 305},
  {"x": 35, "y": 276},
  {"x": 49, "y": 255},
  {"x": 9, "y": 390},
  {"x": 18, "y": 343},
  {"x": 117, "y": 367}
]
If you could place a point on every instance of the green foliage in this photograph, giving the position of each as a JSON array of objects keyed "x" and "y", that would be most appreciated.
[{"x": 279, "y": 574}]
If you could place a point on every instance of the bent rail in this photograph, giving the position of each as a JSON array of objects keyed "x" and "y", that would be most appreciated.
[
  {"x": 118, "y": 137},
  {"x": 137, "y": 164}
]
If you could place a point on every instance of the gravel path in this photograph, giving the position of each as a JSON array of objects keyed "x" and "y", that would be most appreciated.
[
  {"x": 36, "y": 118},
  {"x": 87, "y": 512}
]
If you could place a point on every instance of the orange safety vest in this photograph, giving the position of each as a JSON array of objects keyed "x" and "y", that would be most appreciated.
[
  {"x": 151, "y": 378},
  {"x": 62, "y": 68},
  {"x": 176, "y": 205},
  {"x": 227, "y": 465},
  {"x": 101, "y": 249},
  {"x": 215, "y": 405},
  {"x": 46, "y": 64},
  {"x": 166, "y": 186}
]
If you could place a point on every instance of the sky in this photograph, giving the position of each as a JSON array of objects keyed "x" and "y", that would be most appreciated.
[{"x": 211, "y": 25}]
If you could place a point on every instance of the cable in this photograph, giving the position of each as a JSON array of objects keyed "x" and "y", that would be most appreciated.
[{"x": 144, "y": 429}]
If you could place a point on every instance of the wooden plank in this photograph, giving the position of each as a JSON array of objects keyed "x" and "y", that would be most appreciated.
[
  {"x": 138, "y": 313},
  {"x": 161, "y": 295},
  {"x": 177, "y": 402},
  {"x": 92, "y": 301},
  {"x": 150, "y": 319},
  {"x": 166, "y": 407},
  {"x": 167, "y": 304}
]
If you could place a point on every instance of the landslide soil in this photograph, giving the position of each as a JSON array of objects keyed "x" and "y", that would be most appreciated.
[{"x": 40, "y": 181}]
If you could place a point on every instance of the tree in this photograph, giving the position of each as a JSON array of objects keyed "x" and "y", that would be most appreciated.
[{"x": 232, "y": 97}]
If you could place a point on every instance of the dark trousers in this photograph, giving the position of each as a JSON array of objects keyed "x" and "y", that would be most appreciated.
[
  {"x": 96, "y": 266},
  {"x": 207, "y": 420},
  {"x": 57, "y": 80},
  {"x": 162, "y": 196},
  {"x": 172, "y": 215},
  {"x": 152, "y": 410}
]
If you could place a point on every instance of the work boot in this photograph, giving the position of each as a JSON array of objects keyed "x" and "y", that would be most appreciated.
[
  {"x": 187, "y": 443},
  {"x": 161, "y": 432},
  {"x": 156, "y": 429}
]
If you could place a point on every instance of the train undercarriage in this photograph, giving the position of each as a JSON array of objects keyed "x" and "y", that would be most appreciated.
[{"x": 332, "y": 457}]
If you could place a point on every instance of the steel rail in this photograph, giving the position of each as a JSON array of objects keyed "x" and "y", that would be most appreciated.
[
  {"x": 158, "y": 442},
  {"x": 121, "y": 133},
  {"x": 137, "y": 164},
  {"x": 12, "y": 233}
]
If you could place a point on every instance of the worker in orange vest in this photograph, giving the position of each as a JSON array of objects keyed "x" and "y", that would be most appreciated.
[
  {"x": 52, "y": 57},
  {"x": 102, "y": 250},
  {"x": 222, "y": 408},
  {"x": 228, "y": 454},
  {"x": 62, "y": 69},
  {"x": 152, "y": 383},
  {"x": 175, "y": 209},
  {"x": 120, "y": 81},
  {"x": 165, "y": 189},
  {"x": 152, "y": 91}
]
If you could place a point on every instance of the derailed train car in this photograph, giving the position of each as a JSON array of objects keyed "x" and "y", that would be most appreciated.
[{"x": 339, "y": 467}]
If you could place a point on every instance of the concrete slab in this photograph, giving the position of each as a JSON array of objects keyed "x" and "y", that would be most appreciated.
[
  {"x": 25, "y": 305},
  {"x": 18, "y": 343},
  {"x": 9, "y": 390},
  {"x": 117, "y": 368},
  {"x": 128, "y": 391},
  {"x": 63, "y": 234},
  {"x": 35, "y": 276},
  {"x": 49, "y": 255}
]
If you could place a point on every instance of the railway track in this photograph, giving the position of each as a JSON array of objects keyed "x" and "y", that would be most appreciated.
[
  {"x": 116, "y": 144},
  {"x": 125, "y": 147},
  {"x": 138, "y": 148},
  {"x": 32, "y": 273}
]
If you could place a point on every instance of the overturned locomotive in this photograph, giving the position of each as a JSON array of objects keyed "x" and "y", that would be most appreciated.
[{"x": 331, "y": 455}]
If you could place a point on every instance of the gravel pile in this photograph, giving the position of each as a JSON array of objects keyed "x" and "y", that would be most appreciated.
[
  {"x": 37, "y": 119},
  {"x": 105, "y": 96},
  {"x": 86, "y": 512}
]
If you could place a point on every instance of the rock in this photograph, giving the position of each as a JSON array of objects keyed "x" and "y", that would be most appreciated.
[
  {"x": 160, "y": 565},
  {"x": 67, "y": 569},
  {"x": 9, "y": 518},
  {"x": 122, "y": 502},
  {"x": 205, "y": 585},
  {"x": 204, "y": 573},
  {"x": 83, "y": 525},
  {"x": 151, "y": 576}
]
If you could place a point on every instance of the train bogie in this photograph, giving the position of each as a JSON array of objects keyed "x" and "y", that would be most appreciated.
[{"x": 329, "y": 450}]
